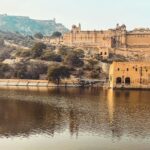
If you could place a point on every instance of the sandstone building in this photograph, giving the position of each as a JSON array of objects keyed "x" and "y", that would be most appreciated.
[
  {"x": 117, "y": 40},
  {"x": 132, "y": 75},
  {"x": 118, "y": 37},
  {"x": 52, "y": 40}
]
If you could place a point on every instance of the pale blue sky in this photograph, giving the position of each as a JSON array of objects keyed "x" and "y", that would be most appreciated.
[{"x": 92, "y": 14}]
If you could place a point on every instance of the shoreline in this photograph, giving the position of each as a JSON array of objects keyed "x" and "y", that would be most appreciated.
[
  {"x": 33, "y": 83},
  {"x": 44, "y": 83}
]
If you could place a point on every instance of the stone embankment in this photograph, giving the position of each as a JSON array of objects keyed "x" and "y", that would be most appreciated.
[{"x": 34, "y": 83}]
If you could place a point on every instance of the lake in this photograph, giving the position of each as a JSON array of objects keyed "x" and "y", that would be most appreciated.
[{"x": 74, "y": 119}]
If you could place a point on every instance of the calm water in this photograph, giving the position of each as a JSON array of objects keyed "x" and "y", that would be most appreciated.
[{"x": 74, "y": 119}]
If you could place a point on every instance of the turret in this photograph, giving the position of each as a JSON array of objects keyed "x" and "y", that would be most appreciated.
[
  {"x": 76, "y": 29},
  {"x": 80, "y": 26}
]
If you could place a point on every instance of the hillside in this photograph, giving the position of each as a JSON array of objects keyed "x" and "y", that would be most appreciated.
[{"x": 28, "y": 26}]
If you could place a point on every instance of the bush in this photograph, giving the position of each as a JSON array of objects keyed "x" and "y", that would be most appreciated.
[
  {"x": 23, "y": 53},
  {"x": 92, "y": 63},
  {"x": 64, "y": 50},
  {"x": 1, "y": 42},
  {"x": 4, "y": 55},
  {"x": 37, "y": 50},
  {"x": 38, "y": 35},
  {"x": 26, "y": 70},
  {"x": 79, "y": 53},
  {"x": 56, "y": 34},
  {"x": 95, "y": 74},
  {"x": 50, "y": 56}
]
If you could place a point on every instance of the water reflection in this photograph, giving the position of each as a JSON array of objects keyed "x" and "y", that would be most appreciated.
[
  {"x": 24, "y": 112},
  {"x": 111, "y": 109},
  {"x": 130, "y": 112}
]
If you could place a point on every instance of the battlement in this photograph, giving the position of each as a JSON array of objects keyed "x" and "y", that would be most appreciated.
[{"x": 118, "y": 37}]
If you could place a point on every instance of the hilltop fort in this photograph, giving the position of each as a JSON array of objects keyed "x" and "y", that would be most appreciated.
[{"x": 117, "y": 40}]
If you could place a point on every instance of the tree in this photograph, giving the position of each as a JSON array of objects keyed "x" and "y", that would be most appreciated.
[
  {"x": 20, "y": 70},
  {"x": 56, "y": 73},
  {"x": 79, "y": 73},
  {"x": 29, "y": 70},
  {"x": 74, "y": 60},
  {"x": 39, "y": 36},
  {"x": 37, "y": 49},
  {"x": 56, "y": 34},
  {"x": 92, "y": 63},
  {"x": 4, "y": 69},
  {"x": 35, "y": 69}
]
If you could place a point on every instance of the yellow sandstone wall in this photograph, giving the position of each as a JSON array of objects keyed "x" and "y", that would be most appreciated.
[
  {"x": 132, "y": 75},
  {"x": 87, "y": 38},
  {"x": 135, "y": 43},
  {"x": 122, "y": 37},
  {"x": 138, "y": 40}
]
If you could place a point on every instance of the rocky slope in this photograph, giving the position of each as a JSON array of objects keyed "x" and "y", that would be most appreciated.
[{"x": 28, "y": 26}]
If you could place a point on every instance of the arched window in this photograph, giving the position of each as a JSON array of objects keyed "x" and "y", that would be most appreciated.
[
  {"x": 118, "y": 80},
  {"x": 127, "y": 81}
]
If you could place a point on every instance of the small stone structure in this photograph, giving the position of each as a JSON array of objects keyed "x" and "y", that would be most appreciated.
[{"x": 130, "y": 75}]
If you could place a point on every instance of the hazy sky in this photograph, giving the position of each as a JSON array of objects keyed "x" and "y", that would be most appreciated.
[{"x": 92, "y": 14}]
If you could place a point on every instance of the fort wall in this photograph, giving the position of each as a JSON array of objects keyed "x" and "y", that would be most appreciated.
[
  {"x": 138, "y": 40},
  {"x": 123, "y": 41}
]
